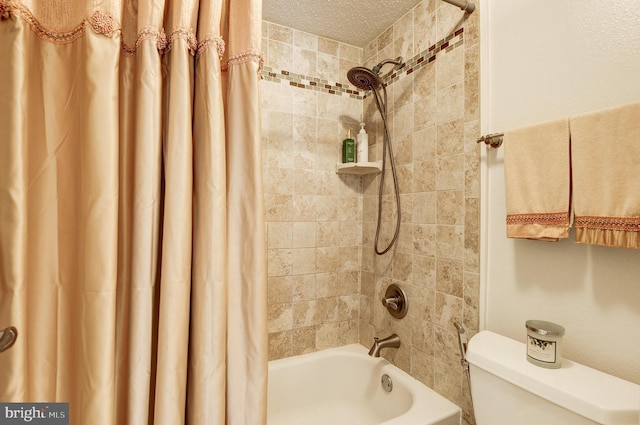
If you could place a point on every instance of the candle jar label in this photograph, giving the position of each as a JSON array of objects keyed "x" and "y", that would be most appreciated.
[{"x": 541, "y": 350}]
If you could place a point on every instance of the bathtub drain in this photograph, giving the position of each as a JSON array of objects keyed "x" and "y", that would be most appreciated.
[{"x": 387, "y": 385}]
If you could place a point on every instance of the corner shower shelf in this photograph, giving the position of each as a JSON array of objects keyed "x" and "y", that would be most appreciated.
[{"x": 359, "y": 167}]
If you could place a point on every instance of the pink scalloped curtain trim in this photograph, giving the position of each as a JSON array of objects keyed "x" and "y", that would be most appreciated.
[
  {"x": 9, "y": 9},
  {"x": 5, "y": 11},
  {"x": 216, "y": 42},
  {"x": 104, "y": 24},
  {"x": 248, "y": 56}
]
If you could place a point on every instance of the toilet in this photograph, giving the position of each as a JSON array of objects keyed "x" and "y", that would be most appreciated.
[{"x": 508, "y": 390}]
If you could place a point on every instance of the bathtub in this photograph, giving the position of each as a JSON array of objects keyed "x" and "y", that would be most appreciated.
[{"x": 342, "y": 386}]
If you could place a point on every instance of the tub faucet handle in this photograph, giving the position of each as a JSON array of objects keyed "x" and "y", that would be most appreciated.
[
  {"x": 395, "y": 301},
  {"x": 392, "y": 302}
]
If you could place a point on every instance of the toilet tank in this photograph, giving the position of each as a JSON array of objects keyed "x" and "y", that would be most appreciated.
[{"x": 508, "y": 390}]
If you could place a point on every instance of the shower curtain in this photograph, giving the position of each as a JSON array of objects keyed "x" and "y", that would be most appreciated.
[{"x": 132, "y": 255}]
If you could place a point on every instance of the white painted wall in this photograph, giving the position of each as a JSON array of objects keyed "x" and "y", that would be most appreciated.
[{"x": 546, "y": 59}]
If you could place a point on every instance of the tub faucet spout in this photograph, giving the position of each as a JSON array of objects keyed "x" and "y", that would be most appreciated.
[{"x": 392, "y": 341}]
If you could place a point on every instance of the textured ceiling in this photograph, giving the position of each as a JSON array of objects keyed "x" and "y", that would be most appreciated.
[{"x": 355, "y": 22}]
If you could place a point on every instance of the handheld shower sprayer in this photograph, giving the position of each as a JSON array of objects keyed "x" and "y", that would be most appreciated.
[{"x": 370, "y": 79}]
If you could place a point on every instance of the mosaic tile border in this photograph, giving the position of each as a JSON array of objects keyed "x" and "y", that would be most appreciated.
[
  {"x": 316, "y": 84},
  {"x": 310, "y": 83}
]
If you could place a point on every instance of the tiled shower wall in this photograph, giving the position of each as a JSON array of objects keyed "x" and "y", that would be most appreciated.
[
  {"x": 434, "y": 119},
  {"x": 325, "y": 281},
  {"x": 314, "y": 217}
]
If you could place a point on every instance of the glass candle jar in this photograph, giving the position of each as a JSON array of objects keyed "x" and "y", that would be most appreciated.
[{"x": 544, "y": 343}]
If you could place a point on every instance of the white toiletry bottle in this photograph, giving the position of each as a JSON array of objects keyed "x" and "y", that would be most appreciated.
[{"x": 363, "y": 145}]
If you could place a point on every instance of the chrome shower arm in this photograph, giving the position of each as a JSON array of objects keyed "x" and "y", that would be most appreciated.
[{"x": 397, "y": 62}]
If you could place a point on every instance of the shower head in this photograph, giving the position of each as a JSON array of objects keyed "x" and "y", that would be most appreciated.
[{"x": 363, "y": 78}]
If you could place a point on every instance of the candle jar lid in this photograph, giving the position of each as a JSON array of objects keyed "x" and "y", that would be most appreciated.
[{"x": 543, "y": 327}]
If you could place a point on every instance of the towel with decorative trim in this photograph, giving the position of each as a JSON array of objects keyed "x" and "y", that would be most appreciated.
[
  {"x": 538, "y": 181},
  {"x": 605, "y": 149}
]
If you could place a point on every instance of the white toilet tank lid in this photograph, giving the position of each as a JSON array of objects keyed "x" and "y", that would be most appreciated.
[{"x": 596, "y": 395}]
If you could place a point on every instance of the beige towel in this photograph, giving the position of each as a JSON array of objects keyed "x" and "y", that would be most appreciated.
[
  {"x": 605, "y": 154},
  {"x": 537, "y": 180}
]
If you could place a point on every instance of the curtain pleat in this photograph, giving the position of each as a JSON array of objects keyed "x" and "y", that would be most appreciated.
[
  {"x": 209, "y": 308},
  {"x": 132, "y": 251},
  {"x": 245, "y": 242}
]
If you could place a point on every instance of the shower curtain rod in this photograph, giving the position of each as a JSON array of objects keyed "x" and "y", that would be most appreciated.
[{"x": 467, "y": 6}]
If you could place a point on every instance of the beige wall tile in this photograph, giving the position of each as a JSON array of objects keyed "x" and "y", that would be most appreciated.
[
  {"x": 370, "y": 53},
  {"x": 450, "y": 207},
  {"x": 424, "y": 25},
  {"x": 352, "y": 53},
  {"x": 327, "y": 259},
  {"x": 423, "y": 112},
  {"x": 472, "y": 84},
  {"x": 304, "y": 314},
  {"x": 472, "y": 235},
  {"x": 448, "y": 309},
  {"x": 303, "y": 260},
  {"x": 304, "y": 235},
  {"x": 304, "y": 340},
  {"x": 304, "y": 61},
  {"x": 424, "y": 175},
  {"x": 450, "y": 103},
  {"x": 385, "y": 39},
  {"x": 450, "y": 68},
  {"x": 279, "y": 290},
  {"x": 450, "y": 138},
  {"x": 279, "y": 235},
  {"x": 328, "y": 233},
  {"x": 328, "y": 67},
  {"x": 328, "y": 46},
  {"x": 280, "y": 262},
  {"x": 424, "y": 271},
  {"x": 303, "y": 287},
  {"x": 280, "y": 33},
  {"x": 422, "y": 367},
  {"x": 403, "y": 149},
  {"x": 424, "y": 143},
  {"x": 280, "y": 317},
  {"x": 280, "y": 345},
  {"x": 305, "y": 182},
  {"x": 403, "y": 36},
  {"x": 305, "y": 40},
  {"x": 450, "y": 172},
  {"x": 449, "y": 277},
  {"x": 278, "y": 207},
  {"x": 279, "y": 180},
  {"x": 305, "y": 103},
  {"x": 336, "y": 334},
  {"x": 304, "y": 207},
  {"x": 450, "y": 242},
  {"x": 424, "y": 239},
  {"x": 280, "y": 55}
]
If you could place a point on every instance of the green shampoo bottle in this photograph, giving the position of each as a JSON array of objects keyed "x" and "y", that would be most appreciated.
[{"x": 348, "y": 149}]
